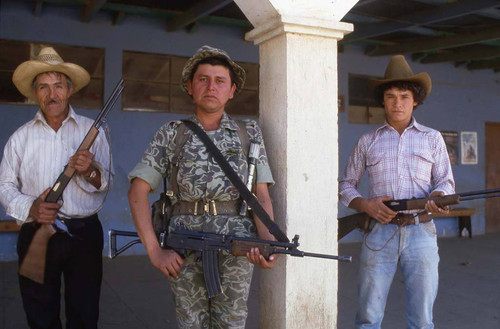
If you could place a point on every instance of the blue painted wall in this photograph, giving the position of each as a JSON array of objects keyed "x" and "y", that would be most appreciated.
[{"x": 460, "y": 100}]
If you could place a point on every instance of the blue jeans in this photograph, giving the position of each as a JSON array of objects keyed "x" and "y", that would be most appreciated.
[{"x": 415, "y": 248}]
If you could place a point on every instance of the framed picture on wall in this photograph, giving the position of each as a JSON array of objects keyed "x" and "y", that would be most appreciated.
[
  {"x": 468, "y": 141},
  {"x": 451, "y": 141}
]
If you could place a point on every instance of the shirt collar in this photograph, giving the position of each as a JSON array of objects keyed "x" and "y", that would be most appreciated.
[
  {"x": 39, "y": 117},
  {"x": 226, "y": 122},
  {"x": 413, "y": 124}
]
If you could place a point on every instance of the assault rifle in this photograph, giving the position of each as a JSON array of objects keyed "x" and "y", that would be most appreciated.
[
  {"x": 209, "y": 244},
  {"x": 33, "y": 264},
  {"x": 362, "y": 220}
]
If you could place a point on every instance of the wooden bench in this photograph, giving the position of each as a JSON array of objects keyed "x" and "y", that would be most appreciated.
[
  {"x": 464, "y": 218},
  {"x": 9, "y": 225}
]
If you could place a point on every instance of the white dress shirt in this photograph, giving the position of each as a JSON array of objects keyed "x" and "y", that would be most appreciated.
[{"x": 35, "y": 156}]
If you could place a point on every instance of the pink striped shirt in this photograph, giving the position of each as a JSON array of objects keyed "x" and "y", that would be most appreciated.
[{"x": 412, "y": 165}]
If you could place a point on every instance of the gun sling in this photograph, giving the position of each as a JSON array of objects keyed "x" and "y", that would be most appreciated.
[{"x": 251, "y": 200}]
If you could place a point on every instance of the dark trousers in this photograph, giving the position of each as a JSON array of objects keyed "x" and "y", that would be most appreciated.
[{"x": 79, "y": 260}]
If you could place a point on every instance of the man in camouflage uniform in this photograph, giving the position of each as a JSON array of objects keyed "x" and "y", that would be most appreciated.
[{"x": 211, "y": 78}]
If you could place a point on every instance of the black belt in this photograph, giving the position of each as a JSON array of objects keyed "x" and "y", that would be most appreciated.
[
  {"x": 75, "y": 223},
  {"x": 411, "y": 219},
  {"x": 201, "y": 207}
]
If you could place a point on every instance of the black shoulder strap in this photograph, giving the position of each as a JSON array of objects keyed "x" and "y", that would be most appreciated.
[{"x": 251, "y": 200}]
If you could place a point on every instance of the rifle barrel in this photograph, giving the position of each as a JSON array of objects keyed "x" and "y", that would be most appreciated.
[
  {"x": 480, "y": 197},
  {"x": 339, "y": 258},
  {"x": 298, "y": 253},
  {"x": 109, "y": 103},
  {"x": 477, "y": 193}
]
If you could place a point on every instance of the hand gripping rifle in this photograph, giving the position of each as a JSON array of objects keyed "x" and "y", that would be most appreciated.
[
  {"x": 33, "y": 264},
  {"x": 362, "y": 220},
  {"x": 209, "y": 244}
]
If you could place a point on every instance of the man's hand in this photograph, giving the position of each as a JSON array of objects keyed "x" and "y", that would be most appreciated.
[
  {"x": 82, "y": 161},
  {"x": 376, "y": 209},
  {"x": 431, "y": 206},
  {"x": 256, "y": 258},
  {"x": 44, "y": 212},
  {"x": 167, "y": 261}
]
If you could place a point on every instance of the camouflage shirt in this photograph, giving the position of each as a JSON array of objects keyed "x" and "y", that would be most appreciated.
[{"x": 199, "y": 176}]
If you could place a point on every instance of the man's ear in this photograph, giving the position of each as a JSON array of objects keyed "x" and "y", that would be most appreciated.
[
  {"x": 233, "y": 89},
  {"x": 189, "y": 87}
]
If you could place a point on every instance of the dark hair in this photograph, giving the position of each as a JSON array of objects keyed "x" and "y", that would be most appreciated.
[
  {"x": 417, "y": 90},
  {"x": 215, "y": 61}
]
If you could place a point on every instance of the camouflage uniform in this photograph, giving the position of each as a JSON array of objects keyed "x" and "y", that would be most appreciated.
[{"x": 200, "y": 178}]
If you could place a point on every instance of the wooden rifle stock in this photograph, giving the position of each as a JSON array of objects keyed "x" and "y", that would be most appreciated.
[
  {"x": 411, "y": 204},
  {"x": 33, "y": 263},
  {"x": 349, "y": 223}
]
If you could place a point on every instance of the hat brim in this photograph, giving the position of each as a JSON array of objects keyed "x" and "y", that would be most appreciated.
[
  {"x": 422, "y": 78},
  {"x": 239, "y": 72},
  {"x": 26, "y": 72}
]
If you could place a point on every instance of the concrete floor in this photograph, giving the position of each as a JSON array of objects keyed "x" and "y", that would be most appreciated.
[{"x": 135, "y": 296}]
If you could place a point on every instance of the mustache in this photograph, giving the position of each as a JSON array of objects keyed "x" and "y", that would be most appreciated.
[{"x": 52, "y": 101}]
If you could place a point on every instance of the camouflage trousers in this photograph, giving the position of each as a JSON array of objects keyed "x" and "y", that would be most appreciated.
[{"x": 194, "y": 310}]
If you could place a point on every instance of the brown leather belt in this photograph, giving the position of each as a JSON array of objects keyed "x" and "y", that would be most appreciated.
[
  {"x": 212, "y": 207},
  {"x": 411, "y": 219}
]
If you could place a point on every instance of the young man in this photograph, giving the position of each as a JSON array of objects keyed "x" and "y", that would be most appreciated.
[
  {"x": 206, "y": 200},
  {"x": 34, "y": 157},
  {"x": 404, "y": 160}
]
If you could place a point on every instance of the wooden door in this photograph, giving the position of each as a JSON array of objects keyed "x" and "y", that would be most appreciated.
[{"x": 492, "y": 205}]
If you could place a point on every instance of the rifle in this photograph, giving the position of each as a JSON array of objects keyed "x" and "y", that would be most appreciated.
[
  {"x": 362, "y": 220},
  {"x": 209, "y": 244},
  {"x": 33, "y": 264}
]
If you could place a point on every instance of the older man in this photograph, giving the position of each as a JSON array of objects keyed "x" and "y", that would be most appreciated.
[
  {"x": 34, "y": 156},
  {"x": 404, "y": 160},
  {"x": 211, "y": 78}
]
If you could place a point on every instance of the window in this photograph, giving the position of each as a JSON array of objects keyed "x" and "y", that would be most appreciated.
[
  {"x": 153, "y": 85},
  {"x": 13, "y": 53},
  {"x": 363, "y": 108}
]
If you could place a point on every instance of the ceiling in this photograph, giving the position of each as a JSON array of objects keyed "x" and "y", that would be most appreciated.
[{"x": 465, "y": 33}]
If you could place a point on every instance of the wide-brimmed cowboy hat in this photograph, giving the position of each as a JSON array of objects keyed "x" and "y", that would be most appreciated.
[
  {"x": 48, "y": 60},
  {"x": 208, "y": 52},
  {"x": 399, "y": 70}
]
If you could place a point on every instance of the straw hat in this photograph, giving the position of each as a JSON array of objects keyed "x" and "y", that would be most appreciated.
[
  {"x": 399, "y": 70},
  {"x": 208, "y": 52},
  {"x": 48, "y": 60}
]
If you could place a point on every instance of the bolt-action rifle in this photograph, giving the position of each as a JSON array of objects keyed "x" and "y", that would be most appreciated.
[
  {"x": 33, "y": 264},
  {"x": 362, "y": 220},
  {"x": 209, "y": 244}
]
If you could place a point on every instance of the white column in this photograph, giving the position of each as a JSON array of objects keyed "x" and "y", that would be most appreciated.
[{"x": 297, "y": 42}]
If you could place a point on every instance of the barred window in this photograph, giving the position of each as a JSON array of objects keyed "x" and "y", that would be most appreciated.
[
  {"x": 153, "y": 84},
  {"x": 363, "y": 108}
]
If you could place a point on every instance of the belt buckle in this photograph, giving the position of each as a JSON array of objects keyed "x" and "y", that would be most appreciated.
[
  {"x": 195, "y": 212},
  {"x": 214, "y": 207},
  {"x": 206, "y": 207}
]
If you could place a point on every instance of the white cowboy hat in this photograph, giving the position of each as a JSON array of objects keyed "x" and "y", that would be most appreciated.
[{"x": 48, "y": 60}]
